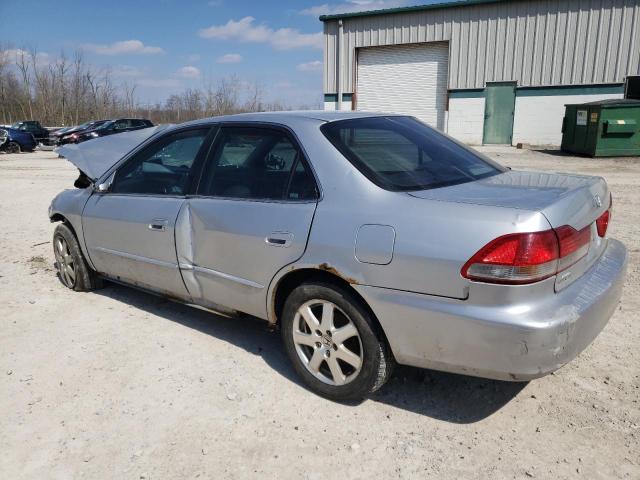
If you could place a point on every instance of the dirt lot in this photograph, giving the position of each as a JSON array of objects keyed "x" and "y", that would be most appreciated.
[{"x": 121, "y": 384}]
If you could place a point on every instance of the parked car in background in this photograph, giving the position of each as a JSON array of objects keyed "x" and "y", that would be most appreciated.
[
  {"x": 370, "y": 239},
  {"x": 72, "y": 134},
  {"x": 111, "y": 127},
  {"x": 17, "y": 141},
  {"x": 33, "y": 127},
  {"x": 54, "y": 135}
]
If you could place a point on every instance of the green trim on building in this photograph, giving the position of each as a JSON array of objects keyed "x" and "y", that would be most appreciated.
[
  {"x": 333, "y": 97},
  {"x": 467, "y": 93},
  {"x": 600, "y": 89},
  {"x": 417, "y": 8}
]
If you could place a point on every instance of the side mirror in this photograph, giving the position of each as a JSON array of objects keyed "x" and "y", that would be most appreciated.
[{"x": 105, "y": 186}]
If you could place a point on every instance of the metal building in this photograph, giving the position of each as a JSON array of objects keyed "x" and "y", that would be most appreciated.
[{"x": 484, "y": 71}]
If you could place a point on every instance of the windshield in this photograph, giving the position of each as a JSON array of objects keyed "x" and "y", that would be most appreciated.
[
  {"x": 105, "y": 125},
  {"x": 401, "y": 153}
]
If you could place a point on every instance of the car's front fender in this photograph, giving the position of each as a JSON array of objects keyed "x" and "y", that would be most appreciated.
[{"x": 68, "y": 206}]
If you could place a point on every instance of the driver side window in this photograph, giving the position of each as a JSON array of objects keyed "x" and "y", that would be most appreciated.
[{"x": 163, "y": 168}]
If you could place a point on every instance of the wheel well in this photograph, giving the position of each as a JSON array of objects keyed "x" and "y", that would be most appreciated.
[
  {"x": 290, "y": 281},
  {"x": 57, "y": 217}
]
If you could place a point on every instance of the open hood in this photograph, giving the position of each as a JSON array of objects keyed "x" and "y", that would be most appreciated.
[{"x": 97, "y": 156}]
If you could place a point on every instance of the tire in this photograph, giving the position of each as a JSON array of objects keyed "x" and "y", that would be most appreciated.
[
  {"x": 12, "y": 147},
  {"x": 73, "y": 270},
  {"x": 336, "y": 329}
]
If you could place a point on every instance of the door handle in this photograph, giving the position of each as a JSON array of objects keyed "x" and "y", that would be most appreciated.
[
  {"x": 279, "y": 239},
  {"x": 158, "y": 225}
]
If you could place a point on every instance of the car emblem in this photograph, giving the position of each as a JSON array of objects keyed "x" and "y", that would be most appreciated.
[{"x": 597, "y": 202}]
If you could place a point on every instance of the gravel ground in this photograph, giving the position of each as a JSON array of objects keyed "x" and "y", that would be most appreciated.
[{"x": 121, "y": 384}]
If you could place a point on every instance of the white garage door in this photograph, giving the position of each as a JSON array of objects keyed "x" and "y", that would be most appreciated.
[{"x": 406, "y": 79}]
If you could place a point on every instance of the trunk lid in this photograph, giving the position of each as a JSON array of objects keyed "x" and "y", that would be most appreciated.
[{"x": 574, "y": 200}]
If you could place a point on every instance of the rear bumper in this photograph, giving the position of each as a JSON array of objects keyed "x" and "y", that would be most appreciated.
[{"x": 502, "y": 340}]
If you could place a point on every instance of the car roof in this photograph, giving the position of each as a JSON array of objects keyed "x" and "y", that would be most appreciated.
[{"x": 287, "y": 117}]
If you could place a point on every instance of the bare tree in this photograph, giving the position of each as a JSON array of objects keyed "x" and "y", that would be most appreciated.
[
  {"x": 59, "y": 91},
  {"x": 23, "y": 64}
]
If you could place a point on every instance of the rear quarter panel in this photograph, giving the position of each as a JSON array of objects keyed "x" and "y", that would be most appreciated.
[{"x": 433, "y": 239}]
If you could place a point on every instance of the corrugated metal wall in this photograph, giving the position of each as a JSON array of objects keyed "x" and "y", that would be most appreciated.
[{"x": 537, "y": 43}]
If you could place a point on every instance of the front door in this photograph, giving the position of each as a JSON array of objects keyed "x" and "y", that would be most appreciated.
[
  {"x": 130, "y": 230},
  {"x": 250, "y": 218},
  {"x": 499, "y": 107}
]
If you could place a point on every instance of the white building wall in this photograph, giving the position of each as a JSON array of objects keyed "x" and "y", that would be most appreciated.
[
  {"x": 331, "y": 106},
  {"x": 466, "y": 119},
  {"x": 538, "y": 119}
]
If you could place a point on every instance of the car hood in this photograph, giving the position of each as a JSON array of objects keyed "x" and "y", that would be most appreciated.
[
  {"x": 65, "y": 131},
  {"x": 512, "y": 189},
  {"x": 95, "y": 157},
  {"x": 90, "y": 129}
]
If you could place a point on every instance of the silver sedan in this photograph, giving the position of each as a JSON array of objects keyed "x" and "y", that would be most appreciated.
[{"x": 368, "y": 239}]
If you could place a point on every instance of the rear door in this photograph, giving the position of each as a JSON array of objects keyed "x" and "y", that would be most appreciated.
[
  {"x": 129, "y": 230},
  {"x": 250, "y": 218}
]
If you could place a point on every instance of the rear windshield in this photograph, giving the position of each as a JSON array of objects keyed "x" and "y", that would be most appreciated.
[{"x": 401, "y": 153}]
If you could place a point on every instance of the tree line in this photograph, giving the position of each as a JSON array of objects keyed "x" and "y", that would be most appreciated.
[{"x": 64, "y": 91}]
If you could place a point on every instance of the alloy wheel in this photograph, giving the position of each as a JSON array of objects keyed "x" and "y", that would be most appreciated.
[
  {"x": 327, "y": 342},
  {"x": 64, "y": 262}
]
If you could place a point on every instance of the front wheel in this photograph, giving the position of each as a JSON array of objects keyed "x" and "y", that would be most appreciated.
[
  {"x": 12, "y": 147},
  {"x": 333, "y": 342},
  {"x": 73, "y": 270}
]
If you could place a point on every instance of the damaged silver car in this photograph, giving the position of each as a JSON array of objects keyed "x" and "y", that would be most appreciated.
[{"x": 370, "y": 239}]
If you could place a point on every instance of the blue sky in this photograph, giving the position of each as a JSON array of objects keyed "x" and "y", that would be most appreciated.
[{"x": 165, "y": 46}]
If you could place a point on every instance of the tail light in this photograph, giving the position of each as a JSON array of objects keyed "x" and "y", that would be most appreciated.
[
  {"x": 521, "y": 258},
  {"x": 603, "y": 220},
  {"x": 574, "y": 244}
]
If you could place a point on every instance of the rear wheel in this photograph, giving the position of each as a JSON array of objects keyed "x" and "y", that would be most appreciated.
[
  {"x": 12, "y": 147},
  {"x": 333, "y": 342},
  {"x": 73, "y": 270}
]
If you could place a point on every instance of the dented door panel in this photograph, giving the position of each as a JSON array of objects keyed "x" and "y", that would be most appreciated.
[{"x": 229, "y": 250}]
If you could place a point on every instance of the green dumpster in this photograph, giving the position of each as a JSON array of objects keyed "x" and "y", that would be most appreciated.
[{"x": 606, "y": 128}]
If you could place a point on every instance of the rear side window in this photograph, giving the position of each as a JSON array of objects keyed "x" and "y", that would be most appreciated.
[
  {"x": 257, "y": 163},
  {"x": 403, "y": 154}
]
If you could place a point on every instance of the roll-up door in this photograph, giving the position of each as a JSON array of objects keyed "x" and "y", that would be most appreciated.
[{"x": 404, "y": 79}]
